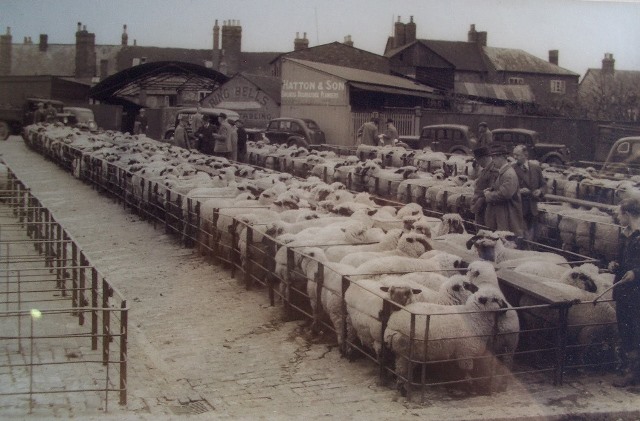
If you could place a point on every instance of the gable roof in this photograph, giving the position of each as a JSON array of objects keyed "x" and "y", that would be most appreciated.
[
  {"x": 366, "y": 77},
  {"x": 257, "y": 63},
  {"x": 269, "y": 84},
  {"x": 462, "y": 55},
  {"x": 340, "y": 54},
  {"x": 515, "y": 60}
]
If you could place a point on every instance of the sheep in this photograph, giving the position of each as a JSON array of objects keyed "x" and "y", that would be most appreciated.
[
  {"x": 482, "y": 273},
  {"x": 398, "y": 264},
  {"x": 364, "y": 300},
  {"x": 591, "y": 327},
  {"x": 331, "y": 296},
  {"x": 409, "y": 245},
  {"x": 459, "y": 333},
  {"x": 452, "y": 223},
  {"x": 493, "y": 249},
  {"x": 388, "y": 242},
  {"x": 454, "y": 291}
]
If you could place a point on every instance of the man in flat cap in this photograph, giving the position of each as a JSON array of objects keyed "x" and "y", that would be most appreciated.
[
  {"x": 485, "y": 138},
  {"x": 504, "y": 208},
  {"x": 485, "y": 173}
]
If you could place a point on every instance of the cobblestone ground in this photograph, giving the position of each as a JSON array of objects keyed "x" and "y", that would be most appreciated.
[{"x": 200, "y": 344}]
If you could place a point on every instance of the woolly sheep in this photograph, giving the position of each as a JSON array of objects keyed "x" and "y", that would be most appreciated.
[
  {"x": 460, "y": 333},
  {"x": 409, "y": 245},
  {"x": 388, "y": 242}
]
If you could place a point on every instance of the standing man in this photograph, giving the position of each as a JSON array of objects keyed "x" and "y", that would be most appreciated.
[
  {"x": 504, "y": 208},
  {"x": 368, "y": 133},
  {"x": 141, "y": 123},
  {"x": 532, "y": 189},
  {"x": 205, "y": 136},
  {"x": 52, "y": 114},
  {"x": 40, "y": 116},
  {"x": 242, "y": 141},
  {"x": 485, "y": 138},
  {"x": 222, "y": 146},
  {"x": 627, "y": 291},
  {"x": 390, "y": 135},
  {"x": 233, "y": 137},
  {"x": 198, "y": 119},
  {"x": 486, "y": 173},
  {"x": 181, "y": 137}
]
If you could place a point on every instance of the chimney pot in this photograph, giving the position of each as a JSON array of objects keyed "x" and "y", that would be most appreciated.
[
  {"x": 79, "y": 26},
  {"x": 84, "y": 27},
  {"x": 305, "y": 35},
  {"x": 399, "y": 18},
  {"x": 553, "y": 57},
  {"x": 8, "y": 30}
]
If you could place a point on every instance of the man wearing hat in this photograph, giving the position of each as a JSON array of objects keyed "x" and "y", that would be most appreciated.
[
  {"x": 40, "y": 116},
  {"x": 504, "y": 208},
  {"x": 390, "y": 135},
  {"x": 180, "y": 136},
  {"x": 486, "y": 173},
  {"x": 485, "y": 138},
  {"x": 368, "y": 133},
  {"x": 205, "y": 136},
  {"x": 532, "y": 188},
  {"x": 222, "y": 146}
]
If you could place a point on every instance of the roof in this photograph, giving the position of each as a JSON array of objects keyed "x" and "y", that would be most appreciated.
[
  {"x": 507, "y": 93},
  {"x": 515, "y": 60},
  {"x": 462, "y": 55},
  {"x": 628, "y": 79},
  {"x": 56, "y": 60},
  {"x": 366, "y": 77},
  {"x": 340, "y": 54},
  {"x": 271, "y": 85},
  {"x": 257, "y": 62},
  {"x": 157, "y": 75},
  {"x": 156, "y": 54}
]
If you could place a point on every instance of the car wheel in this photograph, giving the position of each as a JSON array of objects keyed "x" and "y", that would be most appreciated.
[
  {"x": 5, "y": 131},
  {"x": 554, "y": 161}
]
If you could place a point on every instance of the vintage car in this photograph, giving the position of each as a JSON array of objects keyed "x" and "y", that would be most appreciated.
[
  {"x": 549, "y": 153},
  {"x": 448, "y": 138},
  {"x": 213, "y": 114},
  {"x": 84, "y": 117},
  {"x": 294, "y": 131},
  {"x": 624, "y": 157}
]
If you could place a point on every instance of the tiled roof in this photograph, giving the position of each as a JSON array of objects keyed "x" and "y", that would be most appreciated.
[
  {"x": 340, "y": 54},
  {"x": 364, "y": 76},
  {"x": 515, "y": 60},
  {"x": 57, "y": 60},
  {"x": 463, "y": 55},
  {"x": 269, "y": 84},
  {"x": 508, "y": 93},
  {"x": 153, "y": 54},
  {"x": 257, "y": 63}
]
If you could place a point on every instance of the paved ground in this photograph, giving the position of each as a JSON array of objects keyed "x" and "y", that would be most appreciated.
[{"x": 200, "y": 343}]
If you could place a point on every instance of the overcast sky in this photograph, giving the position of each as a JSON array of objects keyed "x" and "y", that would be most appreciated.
[{"x": 582, "y": 30}]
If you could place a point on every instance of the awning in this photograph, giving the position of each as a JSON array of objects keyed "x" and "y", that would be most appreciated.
[
  {"x": 239, "y": 105},
  {"x": 487, "y": 91},
  {"x": 393, "y": 90}
]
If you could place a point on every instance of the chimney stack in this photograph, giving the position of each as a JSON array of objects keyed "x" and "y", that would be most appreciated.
[
  {"x": 479, "y": 38},
  {"x": 399, "y": 34},
  {"x": 348, "y": 41},
  {"x": 608, "y": 64},
  {"x": 554, "y": 57},
  {"x": 44, "y": 42},
  {"x": 231, "y": 44},
  {"x": 216, "y": 36},
  {"x": 85, "y": 53},
  {"x": 125, "y": 37},
  {"x": 410, "y": 31},
  {"x": 5, "y": 53},
  {"x": 300, "y": 43}
]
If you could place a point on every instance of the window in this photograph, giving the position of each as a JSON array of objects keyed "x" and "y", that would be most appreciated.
[
  {"x": 557, "y": 86},
  {"x": 295, "y": 127},
  {"x": 203, "y": 94},
  {"x": 516, "y": 81}
]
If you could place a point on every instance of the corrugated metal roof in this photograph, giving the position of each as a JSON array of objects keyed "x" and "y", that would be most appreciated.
[
  {"x": 365, "y": 76},
  {"x": 508, "y": 93},
  {"x": 515, "y": 60}
]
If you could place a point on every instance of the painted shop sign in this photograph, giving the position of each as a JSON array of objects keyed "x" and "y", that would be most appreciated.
[
  {"x": 324, "y": 91},
  {"x": 236, "y": 93}
]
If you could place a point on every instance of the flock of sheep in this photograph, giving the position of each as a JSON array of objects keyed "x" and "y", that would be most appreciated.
[{"x": 399, "y": 285}]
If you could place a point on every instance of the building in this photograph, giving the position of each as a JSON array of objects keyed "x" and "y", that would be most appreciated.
[
  {"x": 338, "y": 97},
  {"x": 255, "y": 97},
  {"x": 463, "y": 68},
  {"x": 337, "y": 53},
  {"x": 610, "y": 94}
]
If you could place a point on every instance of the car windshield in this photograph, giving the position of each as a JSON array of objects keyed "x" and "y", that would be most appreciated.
[
  {"x": 83, "y": 116},
  {"x": 312, "y": 125}
]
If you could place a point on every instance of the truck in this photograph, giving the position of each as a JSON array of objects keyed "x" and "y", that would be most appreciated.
[{"x": 13, "y": 119}]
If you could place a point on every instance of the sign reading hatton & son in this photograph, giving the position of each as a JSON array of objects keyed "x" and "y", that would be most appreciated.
[{"x": 326, "y": 91}]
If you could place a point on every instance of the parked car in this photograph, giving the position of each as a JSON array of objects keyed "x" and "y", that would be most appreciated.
[
  {"x": 254, "y": 135},
  {"x": 448, "y": 138},
  {"x": 624, "y": 157},
  {"x": 13, "y": 119},
  {"x": 213, "y": 114},
  {"x": 84, "y": 117},
  {"x": 550, "y": 153},
  {"x": 294, "y": 131}
]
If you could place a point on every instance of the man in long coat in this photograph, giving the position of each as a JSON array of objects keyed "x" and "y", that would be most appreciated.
[
  {"x": 532, "y": 188},
  {"x": 486, "y": 173},
  {"x": 368, "y": 133},
  {"x": 504, "y": 208}
]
